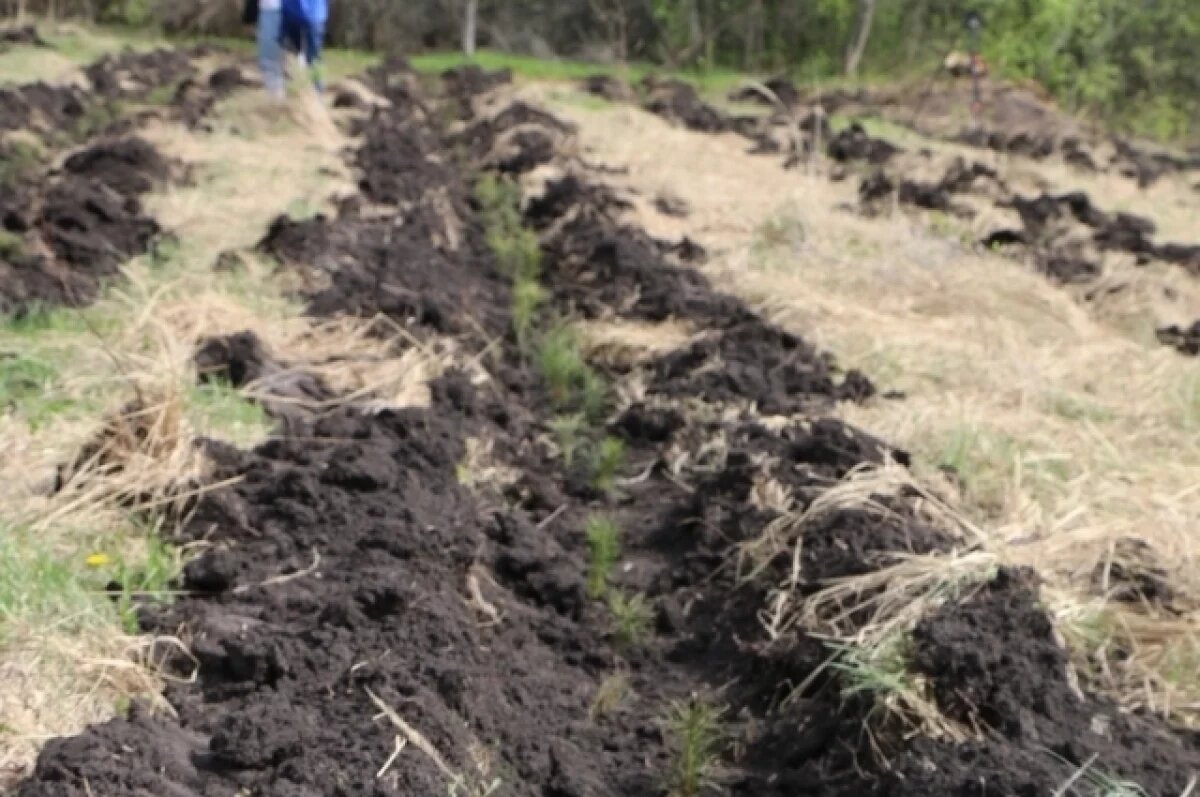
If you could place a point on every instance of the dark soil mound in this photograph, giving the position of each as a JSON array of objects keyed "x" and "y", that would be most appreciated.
[
  {"x": 25, "y": 35},
  {"x": 596, "y": 265},
  {"x": 130, "y": 166},
  {"x": 89, "y": 220},
  {"x": 679, "y": 102},
  {"x": 133, "y": 74},
  {"x": 241, "y": 360},
  {"x": 959, "y": 178},
  {"x": 1147, "y": 166},
  {"x": 41, "y": 108},
  {"x": 517, "y": 139},
  {"x": 1185, "y": 340},
  {"x": 854, "y": 144},
  {"x": 782, "y": 373},
  {"x": 994, "y": 656},
  {"x": 375, "y": 267},
  {"x": 93, "y": 228},
  {"x": 608, "y": 87},
  {"x": 428, "y": 264},
  {"x": 228, "y": 79},
  {"x": 1122, "y": 232},
  {"x": 464, "y": 83},
  {"x": 781, "y": 89},
  {"x": 1030, "y": 145}
]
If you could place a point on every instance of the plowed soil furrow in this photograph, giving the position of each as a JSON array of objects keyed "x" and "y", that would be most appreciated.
[
  {"x": 71, "y": 228},
  {"x": 363, "y": 623}
]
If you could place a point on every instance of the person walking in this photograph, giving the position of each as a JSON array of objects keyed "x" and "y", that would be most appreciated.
[
  {"x": 304, "y": 33},
  {"x": 270, "y": 25}
]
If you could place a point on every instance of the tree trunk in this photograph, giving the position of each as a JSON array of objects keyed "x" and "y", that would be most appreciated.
[
  {"x": 866, "y": 19},
  {"x": 470, "y": 26},
  {"x": 754, "y": 35}
]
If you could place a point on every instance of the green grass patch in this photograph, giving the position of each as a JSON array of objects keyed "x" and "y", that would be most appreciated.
[
  {"x": 39, "y": 585},
  {"x": 30, "y": 387},
  {"x": 162, "y": 95},
  {"x": 21, "y": 157},
  {"x": 782, "y": 234},
  {"x": 219, "y": 410},
  {"x": 987, "y": 462},
  {"x": 11, "y": 246},
  {"x": 1075, "y": 408},
  {"x": 881, "y": 670},
  {"x": 78, "y": 581}
]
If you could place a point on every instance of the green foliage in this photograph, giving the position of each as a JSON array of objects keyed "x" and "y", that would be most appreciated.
[
  {"x": 881, "y": 670},
  {"x": 608, "y": 457},
  {"x": 569, "y": 434},
  {"x": 11, "y": 246},
  {"x": 527, "y": 296},
  {"x": 37, "y": 583},
  {"x": 29, "y": 386},
  {"x": 220, "y": 410},
  {"x": 148, "y": 579},
  {"x": 517, "y": 249},
  {"x": 694, "y": 727},
  {"x": 562, "y": 366},
  {"x": 631, "y": 618},
  {"x": 19, "y": 158},
  {"x": 135, "y": 13},
  {"x": 612, "y": 692},
  {"x": 96, "y": 119},
  {"x": 1092, "y": 781},
  {"x": 162, "y": 95},
  {"x": 40, "y": 582},
  {"x": 604, "y": 549}
]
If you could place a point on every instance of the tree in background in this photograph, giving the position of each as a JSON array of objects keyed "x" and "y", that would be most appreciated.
[
  {"x": 858, "y": 46},
  {"x": 1134, "y": 63}
]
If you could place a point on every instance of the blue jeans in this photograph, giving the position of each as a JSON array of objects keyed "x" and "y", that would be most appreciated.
[
  {"x": 306, "y": 37},
  {"x": 269, "y": 52}
]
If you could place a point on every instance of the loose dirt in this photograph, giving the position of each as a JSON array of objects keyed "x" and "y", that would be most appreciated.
[
  {"x": 363, "y": 623},
  {"x": 87, "y": 223},
  {"x": 73, "y": 227}
]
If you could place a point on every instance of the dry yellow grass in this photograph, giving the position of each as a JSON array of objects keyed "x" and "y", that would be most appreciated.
[{"x": 1069, "y": 427}]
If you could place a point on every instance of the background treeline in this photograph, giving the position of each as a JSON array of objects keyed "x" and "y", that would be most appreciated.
[{"x": 1133, "y": 62}]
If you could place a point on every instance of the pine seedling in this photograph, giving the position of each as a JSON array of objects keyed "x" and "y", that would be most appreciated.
[
  {"x": 568, "y": 435},
  {"x": 604, "y": 548},
  {"x": 607, "y": 460},
  {"x": 631, "y": 618},
  {"x": 527, "y": 296},
  {"x": 695, "y": 730},
  {"x": 561, "y": 365}
]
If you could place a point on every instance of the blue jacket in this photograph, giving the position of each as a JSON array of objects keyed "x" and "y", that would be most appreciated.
[{"x": 314, "y": 12}]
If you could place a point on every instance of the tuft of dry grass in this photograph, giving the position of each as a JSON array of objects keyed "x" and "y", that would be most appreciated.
[
  {"x": 625, "y": 344},
  {"x": 1058, "y": 425}
]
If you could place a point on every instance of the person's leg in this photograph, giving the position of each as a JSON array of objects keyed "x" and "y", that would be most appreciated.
[
  {"x": 314, "y": 40},
  {"x": 291, "y": 37},
  {"x": 269, "y": 54}
]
